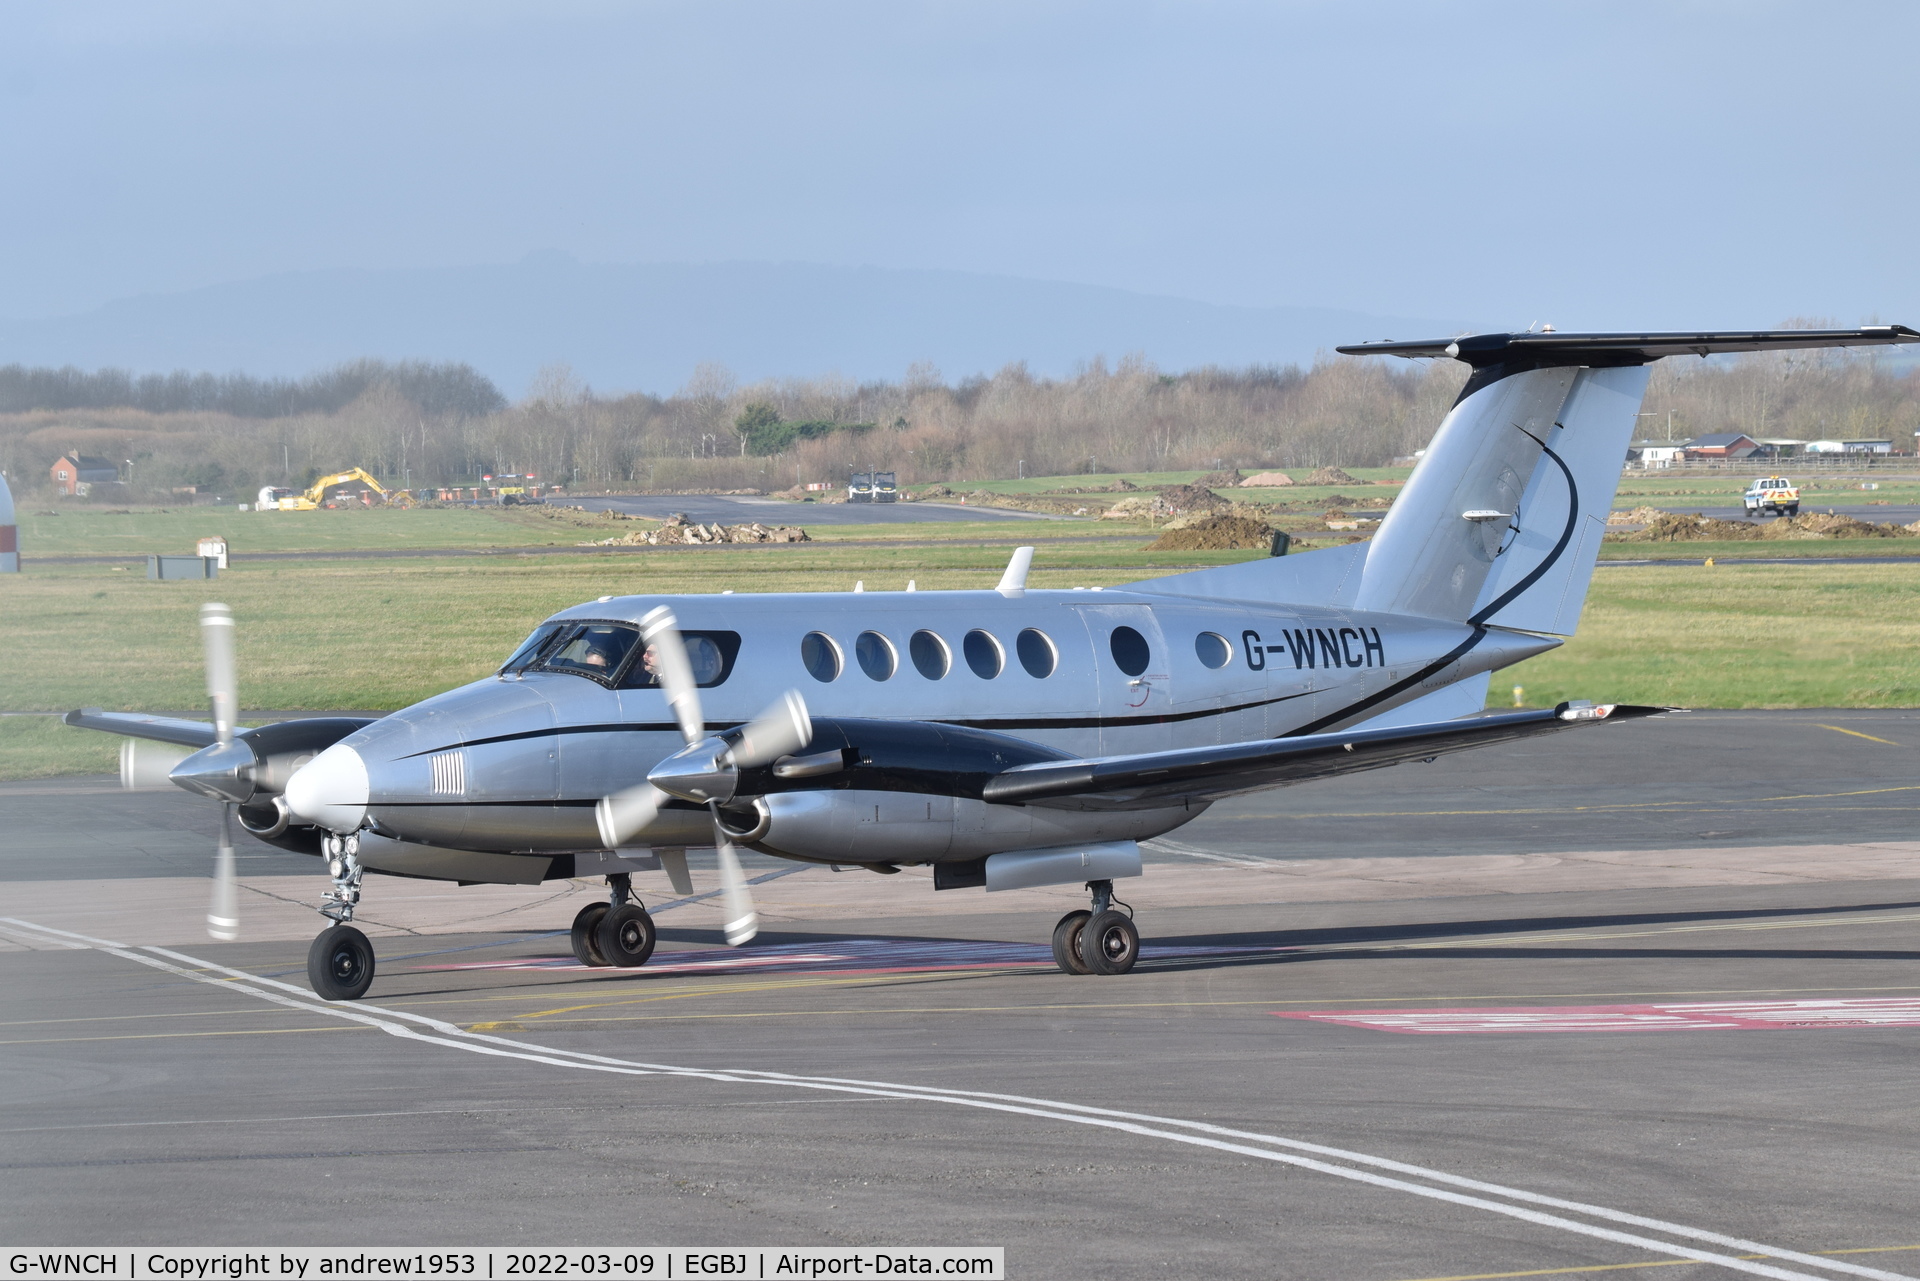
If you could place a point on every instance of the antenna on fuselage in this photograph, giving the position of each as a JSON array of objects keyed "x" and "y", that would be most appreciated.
[{"x": 1014, "y": 581}]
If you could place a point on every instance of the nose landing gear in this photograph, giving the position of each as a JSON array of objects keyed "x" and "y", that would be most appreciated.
[
  {"x": 1101, "y": 941},
  {"x": 340, "y": 962}
]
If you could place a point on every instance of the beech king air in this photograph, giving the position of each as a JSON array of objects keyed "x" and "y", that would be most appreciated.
[{"x": 1008, "y": 737}]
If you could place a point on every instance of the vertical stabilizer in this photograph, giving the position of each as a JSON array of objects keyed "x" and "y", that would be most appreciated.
[
  {"x": 1437, "y": 547},
  {"x": 1539, "y": 583}
]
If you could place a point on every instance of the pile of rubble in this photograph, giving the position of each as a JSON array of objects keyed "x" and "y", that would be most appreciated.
[
  {"x": 677, "y": 531},
  {"x": 1671, "y": 527}
]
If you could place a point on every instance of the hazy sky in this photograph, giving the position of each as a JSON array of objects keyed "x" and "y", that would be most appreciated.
[{"x": 1597, "y": 165}]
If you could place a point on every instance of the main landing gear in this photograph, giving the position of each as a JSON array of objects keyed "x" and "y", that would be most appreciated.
[
  {"x": 340, "y": 962},
  {"x": 618, "y": 932},
  {"x": 1102, "y": 941}
]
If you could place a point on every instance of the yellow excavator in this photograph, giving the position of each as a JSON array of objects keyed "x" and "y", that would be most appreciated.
[{"x": 285, "y": 500}]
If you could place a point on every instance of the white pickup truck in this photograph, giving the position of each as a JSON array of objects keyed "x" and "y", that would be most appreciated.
[{"x": 1772, "y": 494}]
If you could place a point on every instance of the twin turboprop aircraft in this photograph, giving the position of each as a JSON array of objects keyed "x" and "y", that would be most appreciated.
[{"x": 1011, "y": 737}]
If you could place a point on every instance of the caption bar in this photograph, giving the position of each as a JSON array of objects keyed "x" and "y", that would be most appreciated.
[{"x": 306, "y": 1263}]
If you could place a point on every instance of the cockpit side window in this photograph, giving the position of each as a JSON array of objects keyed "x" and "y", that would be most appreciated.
[
  {"x": 595, "y": 650},
  {"x": 710, "y": 654},
  {"x": 529, "y": 650}
]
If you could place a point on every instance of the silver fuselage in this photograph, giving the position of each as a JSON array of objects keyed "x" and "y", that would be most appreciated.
[{"x": 515, "y": 763}]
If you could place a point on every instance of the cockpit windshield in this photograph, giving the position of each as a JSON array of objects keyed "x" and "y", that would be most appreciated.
[
  {"x": 592, "y": 649},
  {"x": 710, "y": 654},
  {"x": 529, "y": 649}
]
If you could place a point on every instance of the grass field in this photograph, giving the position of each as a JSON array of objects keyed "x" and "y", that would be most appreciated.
[
  {"x": 82, "y": 531},
  {"x": 340, "y": 634}
]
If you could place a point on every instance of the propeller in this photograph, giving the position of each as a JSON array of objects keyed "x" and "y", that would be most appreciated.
[
  {"x": 216, "y": 634},
  {"x": 708, "y": 769}
]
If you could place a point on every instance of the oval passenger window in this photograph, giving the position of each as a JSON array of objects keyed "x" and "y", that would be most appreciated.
[
  {"x": 1213, "y": 649},
  {"x": 1130, "y": 652},
  {"x": 820, "y": 656},
  {"x": 874, "y": 653},
  {"x": 929, "y": 655},
  {"x": 983, "y": 654},
  {"x": 1036, "y": 653}
]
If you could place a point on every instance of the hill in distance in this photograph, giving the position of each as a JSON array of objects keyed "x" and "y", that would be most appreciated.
[{"x": 645, "y": 327}]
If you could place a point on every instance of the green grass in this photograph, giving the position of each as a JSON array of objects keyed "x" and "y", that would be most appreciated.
[
  {"x": 1737, "y": 636},
  {"x": 81, "y": 531},
  {"x": 1765, "y": 548}
]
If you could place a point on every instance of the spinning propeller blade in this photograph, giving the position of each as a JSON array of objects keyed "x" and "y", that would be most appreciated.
[
  {"x": 145, "y": 764},
  {"x": 223, "y": 913},
  {"x": 216, "y": 632},
  {"x": 781, "y": 729},
  {"x": 625, "y": 815},
  {"x": 660, "y": 632},
  {"x": 785, "y": 727},
  {"x": 742, "y": 921}
]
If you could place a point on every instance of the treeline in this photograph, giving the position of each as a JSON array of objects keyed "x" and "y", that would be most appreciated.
[
  {"x": 438, "y": 389},
  {"x": 418, "y": 425}
]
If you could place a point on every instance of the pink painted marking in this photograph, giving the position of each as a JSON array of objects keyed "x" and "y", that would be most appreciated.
[{"x": 1689, "y": 1016}]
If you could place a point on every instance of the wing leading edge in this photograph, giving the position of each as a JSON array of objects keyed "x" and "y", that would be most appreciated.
[
  {"x": 1209, "y": 773},
  {"x": 163, "y": 729}
]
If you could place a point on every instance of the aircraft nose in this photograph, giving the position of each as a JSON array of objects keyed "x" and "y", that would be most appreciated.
[{"x": 331, "y": 790}]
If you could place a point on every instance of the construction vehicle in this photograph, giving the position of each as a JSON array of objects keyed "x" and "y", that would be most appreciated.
[
  {"x": 1774, "y": 494},
  {"x": 273, "y": 498}
]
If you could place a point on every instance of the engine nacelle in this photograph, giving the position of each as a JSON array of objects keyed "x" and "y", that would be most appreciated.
[{"x": 859, "y": 825}]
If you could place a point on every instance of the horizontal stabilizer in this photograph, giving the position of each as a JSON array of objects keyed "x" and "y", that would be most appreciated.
[
  {"x": 1550, "y": 350},
  {"x": 1157, "y": 778}
]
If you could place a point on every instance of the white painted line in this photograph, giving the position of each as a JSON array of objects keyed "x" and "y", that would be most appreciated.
[{"x": 1145, "y": 1125}]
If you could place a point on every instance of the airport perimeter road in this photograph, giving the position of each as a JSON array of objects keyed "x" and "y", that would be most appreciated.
[
  {"x": 1517, "y": 1079},
  {"x": 740, "y": 510}
]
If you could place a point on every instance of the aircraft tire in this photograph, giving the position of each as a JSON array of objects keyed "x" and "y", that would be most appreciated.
[
  {"x": 586, "y": 935},
  {"x": 1109, "y": 944},
  {"x": 1066, "y": 943},
  {"x": 626, "y": 936},
  {"x": 340, "y": 964}
]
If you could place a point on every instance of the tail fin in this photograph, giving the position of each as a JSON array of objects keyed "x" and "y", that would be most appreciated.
[{"x": 1501, "y": 522}]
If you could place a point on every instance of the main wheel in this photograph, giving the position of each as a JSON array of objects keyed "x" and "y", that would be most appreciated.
[
  {"x": 1066, "y": 942},
  {"x": 586, "y": 935},
  {"x": 626, "y": 936},
  {"x": 1794, "y": 510},
  {"x": 1109, "y": 944},
  {"x": 340, "y": 964}
]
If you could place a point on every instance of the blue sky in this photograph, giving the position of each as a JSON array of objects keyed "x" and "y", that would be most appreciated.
[{"x": 1593, "y": 165}]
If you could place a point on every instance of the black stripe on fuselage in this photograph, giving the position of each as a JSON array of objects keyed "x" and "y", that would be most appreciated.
[{"x": 720, "y": 727}]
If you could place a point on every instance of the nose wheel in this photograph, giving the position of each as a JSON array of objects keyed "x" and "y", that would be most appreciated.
[
  {"x": 1101, "y": 941},
  {"x": 340, "y": 962}
]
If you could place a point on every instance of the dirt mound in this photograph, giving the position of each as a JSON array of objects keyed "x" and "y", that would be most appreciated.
[
  {"x": 1638, "y": 516},
  {"x": 1267, "y": 480},
  {"x": 1669, "y": 527},
  {"x": 1333, "y": 476},
  {"x": 1217, "y": 533},
  {"x": 1191, "y": 498},
  {"x": 1220, "y": 479},
  {"x": 1142, "y": 507}
]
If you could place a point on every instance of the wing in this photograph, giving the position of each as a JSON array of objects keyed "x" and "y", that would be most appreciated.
[
  {"x": 1207, "y": 773},
  {"x": 164, "y": 729}
]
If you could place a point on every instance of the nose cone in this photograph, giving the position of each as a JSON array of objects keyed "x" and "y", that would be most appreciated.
[
  {"x": 223, "y": 772},
  {"x": 331, "y": 790}
]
